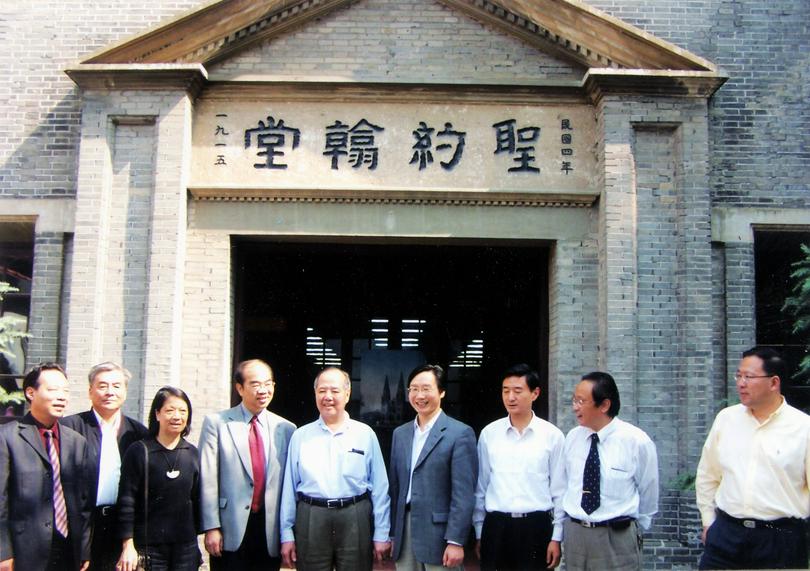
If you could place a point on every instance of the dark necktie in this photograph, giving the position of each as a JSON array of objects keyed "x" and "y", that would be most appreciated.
[
  {"x": 59, "y": 507},
  {"x": 590, "y": 479},
  {"x": 258, "y": 462}
]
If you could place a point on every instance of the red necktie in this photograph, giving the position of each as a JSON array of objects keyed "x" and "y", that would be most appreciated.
[
  {"x": 258, "y": 462},
  {"x": 59, "y": 507}
]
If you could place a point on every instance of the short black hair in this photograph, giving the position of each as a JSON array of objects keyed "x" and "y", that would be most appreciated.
[
  {"x": 604, "y": 387},
  {"x": 32, "y": 378},
  {"x": 772, "y": 362},
  {"x": 239, "y": 374},
  {"x": 523, "y": 370},
  {"x": 437, "y": 371},
  {"x": 160, "y": 399}
]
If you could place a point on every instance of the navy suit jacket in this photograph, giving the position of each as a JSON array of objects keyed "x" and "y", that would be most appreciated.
[
  {"x": 26, "y": 495},
  {"x": 443, "y": 495},
  {"x": 86, "y": 424}
]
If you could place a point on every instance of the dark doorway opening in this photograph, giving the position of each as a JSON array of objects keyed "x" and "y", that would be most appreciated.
[{"x": 378, "y": 311}]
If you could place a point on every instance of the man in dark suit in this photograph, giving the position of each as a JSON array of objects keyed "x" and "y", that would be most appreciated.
[
  {"x": 432, "y": 478},
  {"x": 108, "y": 433},
  {"x": 44, "y": 498},
  {"x": 243, "y": 451}
]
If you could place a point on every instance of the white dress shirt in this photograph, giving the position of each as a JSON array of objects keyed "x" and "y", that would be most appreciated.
[
  {"x": 327, "y": 464},
  {"x": 628, "y": 468},
  {"x": 753, "y": 470},
  {"x": 109, "y": 464},
  {"x": 520, "y": 473},
  {"x": 420, "y": 436}
]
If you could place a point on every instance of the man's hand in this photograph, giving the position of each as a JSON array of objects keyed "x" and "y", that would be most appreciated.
[
  {"x": 703, "y": 535},
  {"x": 381, "y": 550},
  {"x": 478, "y": 549},
  {"x": 85, "y": 565},
  {"x": 213, "y": 542},
  {"x": 453, "y": 555},
  {"x": 288, "y": 554},
  {"x": 129, "y": 556},
  {"x": 7, "y": 565},
  {"x": 553, "y": 553}
]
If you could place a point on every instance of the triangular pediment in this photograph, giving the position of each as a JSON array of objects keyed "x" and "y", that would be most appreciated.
[{"x": 566, "y": 29}]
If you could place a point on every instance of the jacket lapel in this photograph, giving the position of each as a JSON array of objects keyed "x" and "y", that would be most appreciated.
[
  {"x": 238, "y": 430},
  {"x": 436, "y": 434},
  {"x": 29, "y": 433}
]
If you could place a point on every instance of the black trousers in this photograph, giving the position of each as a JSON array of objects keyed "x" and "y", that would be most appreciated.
[
  {"x": 105, "y": 549},
  {"x": 731, "y": 545},
  {"x": 515, "y": 544},
  {"x": 61, "y": 555},
  {"x": 182, "y": 556},
  {"x": 252, "y": 555}
]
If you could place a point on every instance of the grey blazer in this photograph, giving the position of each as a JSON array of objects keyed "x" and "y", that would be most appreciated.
[
  {"x": 26, "y": 495},
  {"x": 226, "y": 476},
  {"x": 443, "y": 495}
]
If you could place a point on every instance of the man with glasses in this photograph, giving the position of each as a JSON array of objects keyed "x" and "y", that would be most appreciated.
[
  {"x": 243, "y": 451},
  {"x": 752, "y": 479},
  {"x": 518, "y": 517},
  {"x": 611, "y": 468},
  {"x": 431, "y": 480}
]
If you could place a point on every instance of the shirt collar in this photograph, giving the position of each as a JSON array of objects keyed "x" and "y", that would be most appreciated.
[
  {"x": 608, "y": 429},
  {"x": 247, "y": 416},
  {"x": 529, "y": 427},
  {"x": 771, "y": 416},
  {"x": 419, "y": 430},
  {"x": 115, "y": 421},
  {"x": 340, "y": 429}
]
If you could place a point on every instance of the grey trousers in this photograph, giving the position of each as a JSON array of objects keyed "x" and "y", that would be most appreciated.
[
  {"x": 340, "y": 539},
  {"x": 407, "y": 562},
  {"x": 601, "y": 548}
]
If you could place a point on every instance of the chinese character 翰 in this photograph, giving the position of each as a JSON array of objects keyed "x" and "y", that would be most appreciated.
[
  {"x": 269, "y": 137},
  {"x": 357, "y": 143},
  {"x": 507, "y": 140},
  {"x": 421, "y": 149}
]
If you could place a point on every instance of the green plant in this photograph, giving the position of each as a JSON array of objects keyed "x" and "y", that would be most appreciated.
[
  {"x": 683, "y": 481},
  {"x": 11, "y": 330},
  {"x": 798, "y": 306}
]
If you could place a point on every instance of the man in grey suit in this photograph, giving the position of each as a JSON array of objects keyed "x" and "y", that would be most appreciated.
[
  {"x": 243, "y": 451},
  {"x": 432, "y": 479}
]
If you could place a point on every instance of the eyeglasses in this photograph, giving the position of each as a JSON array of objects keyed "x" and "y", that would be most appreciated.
[
  {"x": 579, "y": 402},
  {"x": 747, "y": 378},
  {"x": 256, "y": 387},
  {"x": 421, "y": 390}
]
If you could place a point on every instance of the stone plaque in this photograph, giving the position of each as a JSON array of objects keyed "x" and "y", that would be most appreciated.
[{"x": 394, "y": 146}]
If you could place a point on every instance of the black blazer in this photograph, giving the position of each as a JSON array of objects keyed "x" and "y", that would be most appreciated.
[
  {"x": 86, "y": 424},
  {"x": 26, "y": 495}
]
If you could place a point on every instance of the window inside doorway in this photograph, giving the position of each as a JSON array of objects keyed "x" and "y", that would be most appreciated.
[
  {"x": 774, "y": 254},
  {"x": 378, "y": 311}
]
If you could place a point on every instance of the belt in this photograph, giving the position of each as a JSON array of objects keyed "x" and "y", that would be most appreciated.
[
  {"x": 782, "y": 523},
  {"x": 105, "y": 511},
  {"x": 615, "y": 523},
  {"x": 519, "y": 515},
  {"x": 335, "y": 503}
]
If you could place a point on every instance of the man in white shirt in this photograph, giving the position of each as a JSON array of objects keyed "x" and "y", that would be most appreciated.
[
  {"x": 611, "y": 468},
  {"x": 432, "y": 480},
  {"x": 335, "y": 510},
  {"x": 517, "y": 517},
  {"x": 752, "y": 479},
  {"x": 108, "y": 433}
]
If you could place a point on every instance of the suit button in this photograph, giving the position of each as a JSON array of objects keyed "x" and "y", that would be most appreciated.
[
  {"x": 251, "y": 484},
  {"x": 247, "y": 507}
]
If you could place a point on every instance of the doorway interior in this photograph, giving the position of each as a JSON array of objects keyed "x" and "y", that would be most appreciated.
[{"x": 379, "y": 310}]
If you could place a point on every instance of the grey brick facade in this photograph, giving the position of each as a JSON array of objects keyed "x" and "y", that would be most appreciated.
[{"x": 647, "y": 283}]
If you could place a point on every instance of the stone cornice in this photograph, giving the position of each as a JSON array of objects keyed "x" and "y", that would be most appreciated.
[
  {"x": 187, "y": 77},
  {"x": 392, "y": 196},
  {"x": 661, "y": 83}
]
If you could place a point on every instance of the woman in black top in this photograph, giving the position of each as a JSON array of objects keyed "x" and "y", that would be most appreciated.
[{"x": 165, "y": 530}]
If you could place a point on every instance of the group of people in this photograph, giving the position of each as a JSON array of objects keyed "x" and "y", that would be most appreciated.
[{"x": 100, "y": 490}]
